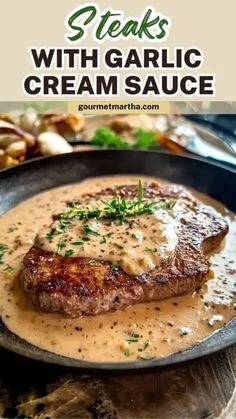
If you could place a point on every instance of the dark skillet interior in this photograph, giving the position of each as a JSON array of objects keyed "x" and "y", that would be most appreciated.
[{"x": 26, "y": 180}]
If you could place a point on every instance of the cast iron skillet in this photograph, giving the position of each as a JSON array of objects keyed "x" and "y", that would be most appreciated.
[{"x": 21, "y": 182}]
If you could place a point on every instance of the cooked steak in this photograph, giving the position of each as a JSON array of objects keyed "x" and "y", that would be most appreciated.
[{"x": 78, "y": 285}]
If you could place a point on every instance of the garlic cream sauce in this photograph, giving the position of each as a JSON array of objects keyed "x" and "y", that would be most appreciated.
[
  {"x": 139, "y": 332},
  {"x": 136, "y": 246}
]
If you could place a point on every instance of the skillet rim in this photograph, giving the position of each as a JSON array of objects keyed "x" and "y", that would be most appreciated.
[{"x": 29, "y": 162}]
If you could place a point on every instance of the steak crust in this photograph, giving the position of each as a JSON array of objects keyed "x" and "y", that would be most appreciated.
[{"x": 77, "y": 286}]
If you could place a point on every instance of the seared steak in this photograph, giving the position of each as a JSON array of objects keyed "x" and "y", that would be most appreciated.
[{"x": 75, "y": 285}]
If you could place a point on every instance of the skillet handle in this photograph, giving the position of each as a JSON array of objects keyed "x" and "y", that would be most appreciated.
[{"x": 226, "y": 135}]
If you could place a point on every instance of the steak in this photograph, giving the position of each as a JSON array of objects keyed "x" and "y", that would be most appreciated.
[{"x": 76, "y": 286}]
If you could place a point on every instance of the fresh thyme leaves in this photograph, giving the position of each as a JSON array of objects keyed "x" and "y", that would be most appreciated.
[
  {"x": 89, "y": 230},
  {"x": 69, "y": 252},
  {"x": 60, "y": 246},
  {"x": 80, "y": 242},
  {"x": 8, "y": 268},
  {"x": 134, "y": 337},
  {"x": 120, "y": 209},
  {"x": 105, "y": 238},
  {"x": 3, "y": 250},
  {"x": 72, "y": 213},
  {"x": 130, "y": 340},
  {"x": 49, "y": 235},
  {"x": 117, "y": 210},
  {"x": 146, "y": 344},
  {"x": 114, "y": 267}
]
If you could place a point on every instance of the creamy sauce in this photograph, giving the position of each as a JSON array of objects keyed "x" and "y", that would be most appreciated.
[
  {"x": 141, "y": 331},
  {"x": 136, "y": 245}
]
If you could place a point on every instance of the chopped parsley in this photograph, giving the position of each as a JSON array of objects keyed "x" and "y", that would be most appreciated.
[
  {"x": 114, "y": 267},
  {"x": 49, "y": 235}
]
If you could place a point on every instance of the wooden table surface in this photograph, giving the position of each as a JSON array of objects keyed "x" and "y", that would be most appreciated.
[{"x": 204, "y": 389}]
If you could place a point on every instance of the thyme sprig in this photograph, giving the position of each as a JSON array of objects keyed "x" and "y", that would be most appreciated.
[{"x": 117, "y": 209}]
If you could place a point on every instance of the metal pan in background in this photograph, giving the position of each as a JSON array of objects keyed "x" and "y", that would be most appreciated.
[{"x": 192, "y": 135}]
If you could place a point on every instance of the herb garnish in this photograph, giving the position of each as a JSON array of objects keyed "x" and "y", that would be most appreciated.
[
  {"x": 89, "y": 230},
  {"x": 117, "y": 209},
  {"x": 106, "y": 237},
  {"x": 81, "y": 242},
  {"x": 92, "y": 261},
  {"x": 3, "y": 250},
  {"x": 49, "y": 235},
  {"x": 119, "y": 246},
  {"x": 134, "y": 337},
  {"x": 127, "y": 352},
  {"x": 146, "y": 344},
  {"x": 146, "y": 139},
  {"x": 8, "y": 268},
  {"x": 69, "y": 252},
  {"x": 114, "y": 267},
  {"x": 60, "y": 246}
]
